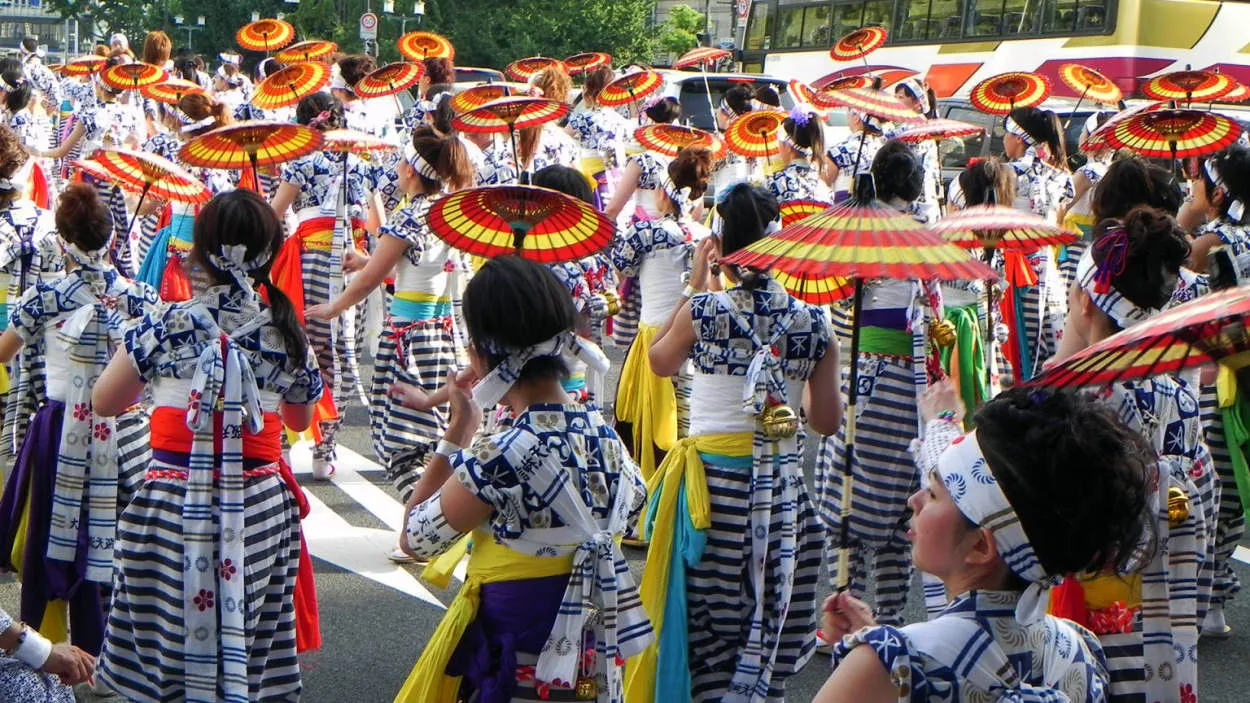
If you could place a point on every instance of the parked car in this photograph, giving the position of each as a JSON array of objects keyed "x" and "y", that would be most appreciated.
[{"x": 471, "y": 74}]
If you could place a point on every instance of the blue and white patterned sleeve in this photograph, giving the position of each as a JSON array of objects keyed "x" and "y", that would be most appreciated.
[
  {"x": 491, "y": 469},
  {"x": 408, "y": 227},
  {"x": 630, "y": 247}
]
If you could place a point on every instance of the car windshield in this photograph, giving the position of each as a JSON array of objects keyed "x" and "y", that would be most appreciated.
[
  {"x": 477, "y": 75},
  {"x": 696, "y": 110}
]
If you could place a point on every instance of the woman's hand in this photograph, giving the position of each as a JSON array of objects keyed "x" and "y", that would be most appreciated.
[
  {"x": 354, "y": 261},
  {"x": 941, "y": 397},
  {"x": 705, "y": 254},
  {"x": 70, "y": 664},
  {"x": 324, "y": 312},
  {"x": 466, "y": 415},
  {"x": 843, "y": 614}
]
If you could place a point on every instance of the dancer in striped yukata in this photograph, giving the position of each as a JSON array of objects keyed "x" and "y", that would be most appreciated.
[
  {"x": 652, "y": 412},
  {"x": 1078, "y": 214},
  {"x": 1034, "y": 140},
  {"x": 29, "y": 253},
  {"x": 803, "y": 153},
  {"x": 893, "y": 326},
  {"x": 745, "y": 624},
  {"x": 319, "y": 188},
  {"x": 1220, "y": 193},
  {"x": 854, "y": 154},
  {"x": 419, "y": 345},
  {"x": 1148, "y": 624},
  {"x": 601, "y": 132},
  {"x": 549, "y": 609},
  {"x": 207, "y": 551},
  {"x": 988, "y": 527},
  {"x": 66, "y": 488}
]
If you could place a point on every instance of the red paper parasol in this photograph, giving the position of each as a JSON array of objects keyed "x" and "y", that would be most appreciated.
[
  {"x": 1189, "y": 86},
  {"x": 581, "y": 63},
  {"x": 1000, "y": 227},
  {"x": 670, "y": 139},
  {"x": 389, "y": 79},
  {"x": 509, "y": 115},
  {"x": 311, "y": 50},
  {"x": 170, "y": 91},
  {"x": 148, "y": 173},
  {"x": 630, "y": 89},
  {"x": 479, "y": 95},
  {"x": 92, "y": 168},
  {"x": 859, "y": 239},
  {"x": 265, "y": 35},
  {"x": 132, "y": 76},
  {"x": 803, "y": 93},
  {"x": 877, "y": 103},
  {"x": 858, "y": 44},
  {"x": 85, "y": 66},
  {"x": 1090, "y": 84},
  {"x": 250, "y": 143},
  {"x": 536, "y": 223},
  {"x": 1005, "y": 92},
  {"x": 754, "y": 134},
  {"x": 938, "y": 129},
  {"x": 286, "y": 86},
  {"x": 1173, "y": 133},
  {"x": 816, "y": 291},
  {"x": 847, "y": 83},
  {"x": 792, "y": 211},
  {"x": 1209, "y": 329},
  {"x": 701, "y": 55},
  {"x": 1098, "y": 138},
  {"x": 524, "y": 69},
  {"x": 419, "y": 46},
  {"x": 1239, "y": 94}
]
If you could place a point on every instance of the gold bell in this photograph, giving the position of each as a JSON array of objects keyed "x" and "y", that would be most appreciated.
[
  {"x": 942, "y": 332},
  {"x": 779, "y": 421},
  {"x": 587, "y": 689},
  {"x": 613, "y": 302},
  {"x": 1178, "y": 506}
]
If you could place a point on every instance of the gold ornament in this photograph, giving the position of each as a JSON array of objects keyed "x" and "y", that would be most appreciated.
[
  {"x": 587, "y": 689},
  {"x": 942, "y": 332},
  {"x": 613, "y": 302},
  {"x": 780, "y": 422},
  {"x": 1178, "y": 506}
]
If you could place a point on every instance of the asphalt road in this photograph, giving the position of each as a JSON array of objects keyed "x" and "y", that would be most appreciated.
[{"x": 376, "y": 617}]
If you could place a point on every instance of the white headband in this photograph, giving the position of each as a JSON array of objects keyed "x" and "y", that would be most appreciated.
[
  {"x": 726, "y": 109},
  {"x": 1091, "y": 122},
  {"x": 917, "y": 93},
  {"x": 1095, "y": 279},
  {"x": 1236, "y": 208},
  {"x": 967, "y": 477},
  {"x": 193, "y": 126},
  {"x": 490, "y": 390},
  {"x": 803, "y": 151},
  {"x": 233, "y": 260},
  {"x": 1011, "y": 127},
  {"x": 419, "y": 164}
]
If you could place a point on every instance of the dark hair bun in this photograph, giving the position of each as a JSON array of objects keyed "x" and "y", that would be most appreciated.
[
  {"x": 540, "y": 308},
  {"x": 82, "y": 218},
  {"x": 665, "y": 111},
  {"x": 692, "y": 169},
  {"x": 355, "y": 67},
  {"x": 897, "y": 171},
  {"x": 1131, "y": 182},
  {"x": 12, "y": 153},
  {"x": 1156, "y": 248},
  {"x": 1079, "y": 478}
]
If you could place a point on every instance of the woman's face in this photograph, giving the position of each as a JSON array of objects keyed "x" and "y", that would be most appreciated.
[
  {"x": 1203, "y": 199},
  {"x": 940, "y": 535},
  {"x": 1014, "y": 146},
  {"x": 907, "y": 99},
  {"x": 407, "y": 176}
]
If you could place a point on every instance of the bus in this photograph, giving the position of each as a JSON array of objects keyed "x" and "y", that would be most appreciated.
[{"x": 954, "y": 44}]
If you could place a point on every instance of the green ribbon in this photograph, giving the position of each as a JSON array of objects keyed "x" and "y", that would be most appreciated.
[
  {"x": 974, "y": 386},
  {"x": 883, "y": 340},
  {"x": 1237, "y": 436}
]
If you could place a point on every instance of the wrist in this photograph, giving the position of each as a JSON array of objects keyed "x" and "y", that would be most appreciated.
[
  {"x": 690, "y": 291},
  {"x": 33, "y": 649}
]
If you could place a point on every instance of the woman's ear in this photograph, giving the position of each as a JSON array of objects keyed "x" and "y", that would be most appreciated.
[{"x": 984, "y": 550}]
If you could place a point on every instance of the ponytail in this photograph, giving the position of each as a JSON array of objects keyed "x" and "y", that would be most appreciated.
[
  {"x": 448, "y": 157},
  {"x": 282, "y": 311}
]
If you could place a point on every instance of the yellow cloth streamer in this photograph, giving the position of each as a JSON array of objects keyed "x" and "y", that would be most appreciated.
[
  {"x": 55, "y": 624},
  {"x": 647, "y": 402},
  {"x": 683, "y": 465},
  {"x": 490, "y": 562},
  {"x": 1105, "y": 590}
]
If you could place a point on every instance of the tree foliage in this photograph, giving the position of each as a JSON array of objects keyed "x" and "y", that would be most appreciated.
[
  {"x": 680, "y": 32},
  {"x": 485, "y": 32}
]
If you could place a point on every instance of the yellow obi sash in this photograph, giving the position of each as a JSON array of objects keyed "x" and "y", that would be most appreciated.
[
  {"x": 680, "y": 474},
  {"x": 490, "y": 562},
  {"x": 647, "y": 402}
]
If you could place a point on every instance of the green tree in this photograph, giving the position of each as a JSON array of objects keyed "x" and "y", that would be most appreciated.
[{"x": 680, "y": 33}]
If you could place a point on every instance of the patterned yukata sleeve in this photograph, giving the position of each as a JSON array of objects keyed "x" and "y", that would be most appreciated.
[
  {"x": 492, "y": 469},
  {"x": 31, "y": 313},
  {"x": 894, "y": 651},
  {"x": 630, "y": 247},
  {"x": 1204, "y": 486},
  {"x": 293, "y": 172},
  {"x": 140, "y": 299},
  {"x": 145, "y": 341},
  {"x": 408, "y": 228},
  {"x": 650, "y": 172},
  {"x": 307, "y": 385}
]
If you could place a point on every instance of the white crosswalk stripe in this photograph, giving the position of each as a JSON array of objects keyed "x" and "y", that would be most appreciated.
[{"x": 361, "y": 550}]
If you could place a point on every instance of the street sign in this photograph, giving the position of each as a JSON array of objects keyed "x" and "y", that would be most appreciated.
[{"x": 368, "y": 26}]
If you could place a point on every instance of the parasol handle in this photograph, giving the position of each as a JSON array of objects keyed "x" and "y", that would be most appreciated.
[
  {"x": 710, "y": 106},
  {"x": 844, "y": 532},
  {"x": 1076, "y": 107},
  {"x": 991, "y": 361},
  {"x": 138, "y": 206},
  {"x": 251, "y": 156}
]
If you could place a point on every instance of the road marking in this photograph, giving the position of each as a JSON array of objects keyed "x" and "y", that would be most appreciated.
[
  {"x": 1242, "y": 554},
  {"x": 361, "y": 550}
]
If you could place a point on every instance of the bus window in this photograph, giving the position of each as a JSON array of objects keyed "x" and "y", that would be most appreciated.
[
  {"x": 847, "y": 17},
  {"x": 914, "y": 20},
  {"x": 816, "y": 31},
  {"x": 790, "y": 33},
  {"x": 985, "y": 19},
  {"x": 759, "y": 27},
  {"x": 1020, "y": 17},
  {"x": 879, "y": 13}
]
